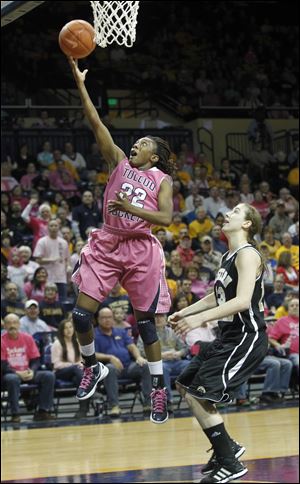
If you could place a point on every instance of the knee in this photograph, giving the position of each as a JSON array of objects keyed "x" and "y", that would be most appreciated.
[
  {"x": 47, "y": 377},
  {"x": 147, "y": 331},
  {"x": 11, "y": 379},
  {"x": 82, "y": 319},
  {"x": 112, "y": 370}
]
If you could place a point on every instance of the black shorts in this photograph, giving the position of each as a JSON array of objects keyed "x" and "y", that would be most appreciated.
[{"x": 223, "y": 366}]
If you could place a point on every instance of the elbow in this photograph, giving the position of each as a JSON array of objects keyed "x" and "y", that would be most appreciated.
[{"x": 166, "y": 221}]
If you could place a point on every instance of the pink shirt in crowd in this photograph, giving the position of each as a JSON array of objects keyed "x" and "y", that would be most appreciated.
[
  {"x": 18, "y": 352},
  {"x": 48, "y": 248},
  {"x": 286, "y": 327}
]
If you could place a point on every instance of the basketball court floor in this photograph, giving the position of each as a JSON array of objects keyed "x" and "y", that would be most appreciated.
[{"x": 133, "y": 450}]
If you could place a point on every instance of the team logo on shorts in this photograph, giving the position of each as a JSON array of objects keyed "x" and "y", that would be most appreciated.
[{"x": 201, "y": 390}]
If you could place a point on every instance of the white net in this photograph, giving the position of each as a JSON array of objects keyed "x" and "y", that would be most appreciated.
[{"x": 115, "y": 22}]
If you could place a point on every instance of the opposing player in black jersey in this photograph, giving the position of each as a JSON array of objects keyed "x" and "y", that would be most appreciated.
[{"x": 214, "y": 375}]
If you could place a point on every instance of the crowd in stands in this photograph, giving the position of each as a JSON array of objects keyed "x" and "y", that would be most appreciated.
[
  {"x": 44, "y": 226},
  {"x": 214, "y": 54}
]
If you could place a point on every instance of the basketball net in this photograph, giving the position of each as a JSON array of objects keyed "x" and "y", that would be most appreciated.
[{"x": 115, "y": 22}]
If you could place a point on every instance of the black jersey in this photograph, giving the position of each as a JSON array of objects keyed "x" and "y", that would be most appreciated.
[{"x": 249, "y": 321}]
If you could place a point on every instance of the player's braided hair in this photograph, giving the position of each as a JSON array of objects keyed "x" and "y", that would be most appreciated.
[{"x": 166, "y": 161}]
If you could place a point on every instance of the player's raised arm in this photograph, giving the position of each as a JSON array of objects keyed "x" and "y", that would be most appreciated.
[{"x": 111, "y": 153}]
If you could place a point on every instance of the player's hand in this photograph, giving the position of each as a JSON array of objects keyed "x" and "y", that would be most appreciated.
[
  {"x": 121, "y": 203},
  {"x": 187, "y": 324},
  {"x": 174, "y": 318},
  {"x": 79, "y": 76}
]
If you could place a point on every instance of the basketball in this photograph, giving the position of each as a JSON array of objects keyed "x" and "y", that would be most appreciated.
[{"x": 77, "y": 39}]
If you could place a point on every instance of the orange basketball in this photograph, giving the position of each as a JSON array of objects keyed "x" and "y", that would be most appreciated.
[{"x": 77, "y": 39}]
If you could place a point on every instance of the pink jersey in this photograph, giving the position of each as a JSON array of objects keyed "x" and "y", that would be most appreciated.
[{"x": 142, "y": 189}]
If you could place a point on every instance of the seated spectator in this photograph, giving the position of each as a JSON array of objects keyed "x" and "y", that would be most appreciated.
[
  {"x": 116, "y": 349},
  {"x": 51, "y": 310},
  {"x": 199, "y": 287},
  {"x": 185, "y": 290},
  {"x": 173, "y": 352},
  {"x": 60, "y": 164},
  {"x": 76, "y": 255},
  {"x": 291, "y": 204},
  {"x": 24, "y": 157},
  {"x": 178, "y": 200},
  {"x": 200, "y": 180},
  {"x": 180, "y": 302},
  {"x": 161, "y": 234},
  {"x": 213, "y": 203},
  {"x": 218, "y": 245},
  {"x": 18, "y": 196},
  {"x": 211, "y": 257},
  {"x": 73, "y": 157},
  {"x": 31, "y": 323},
  {"x": 269, "y": 239},
  {"x": 43, "y": 121},
  {"x": 41, "y": 183},
  {"x": 38, "y": 225},
  {"x": 284, "y": 335},
  {"x": 184, "y": 169},
  {"x": 261, "y": 205},
  {"x": 176, "y": 225},
  {"x": 191, "y": 216},
  {"x": 20, "y": 361},
  {"x": 45, "y": 157},
  {"x": 35, "y": 288},
  {"x": 17, "y": 272},
  {"x": 175, "y": 270},
  {"x": 290, "y": 275},
  {"x": 246, "y": 194},
  {"x": 280, "y": 222},
  {"x": 67, "y": 235},
  {"x": 228, "y": 174},
  {"x": 282, "y": 310},
  {"x": 26, "y": 180},
  {"x": 202, "y": 225},
  {"x": 270, "y": 268},
  {"x": 287, "y": 246},
  {"x": 8, "y": 182},
  {"x": 66, "y": 360},
  {"x": 120, "y": 320},
  {"x": 276, "y": 298},
  {"x": 85, "y": 215},
  {"x": 205, "y": 274},
  {"x": 6, "y": 246},
  {"x": 10, "y": 303},
  {"x": 185, "y": 251},
  {"x": 118, "y": 298}
]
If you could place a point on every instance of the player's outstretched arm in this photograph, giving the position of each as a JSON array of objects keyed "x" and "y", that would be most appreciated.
[{"x": 111, "y": 153}]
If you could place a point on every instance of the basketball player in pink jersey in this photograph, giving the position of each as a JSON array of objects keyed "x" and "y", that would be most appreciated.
[{"x": 138, "y": 195}]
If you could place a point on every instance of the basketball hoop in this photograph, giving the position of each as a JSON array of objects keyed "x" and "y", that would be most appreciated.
[{"x": 115, "y": 22}]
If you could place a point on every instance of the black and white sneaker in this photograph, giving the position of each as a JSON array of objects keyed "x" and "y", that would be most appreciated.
[
  {"x": 159, "y": 406},
  {"x": 238, "y": 450},
  {"x": 226, "y": 472},
  {"x": 92, "y": 375}
]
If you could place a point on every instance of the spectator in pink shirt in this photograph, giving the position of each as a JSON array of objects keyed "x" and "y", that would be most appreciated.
[
  {"x": 20, "y": 360},
  {"x": 260, "y": 204},
  {"x": 52, "y": 251},
  {"x": 185, "y": 251},
  {"x": 26, "y": 180},
  {"x": 284, "y": 335},
  {"x": 35, "y": 289},
  {"x": 38, "y": 225}
]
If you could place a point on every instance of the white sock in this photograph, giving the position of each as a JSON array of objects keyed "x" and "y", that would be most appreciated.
[
  {"x": 88, "y": 350},
  {"x": 155, "y": 367}
]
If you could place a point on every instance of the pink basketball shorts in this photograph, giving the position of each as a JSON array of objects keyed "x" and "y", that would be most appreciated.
[{"x": 134, "y": 260}]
